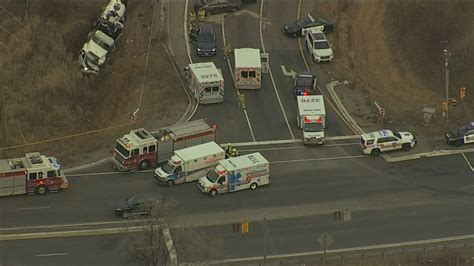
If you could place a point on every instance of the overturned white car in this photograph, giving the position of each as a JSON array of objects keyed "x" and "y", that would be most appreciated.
[
  {"x": 101, "y": 40},
  {"x": 94, "y": 52}
]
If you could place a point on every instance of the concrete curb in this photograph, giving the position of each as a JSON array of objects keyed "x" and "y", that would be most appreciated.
[
  {"x": 173, "y": 255},
  {"x": 434, "y": 153},
  {"x": 331, "y": 88},
  {"x": 77, "y": 168},
  {"x": 73, "y": 233},
  {"x": 287, "y": 141},
  {"x": 352, "y": 123}
]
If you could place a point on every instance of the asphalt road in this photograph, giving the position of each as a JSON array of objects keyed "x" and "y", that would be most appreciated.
[
  {"x": 66, "y": 251},
  {"x": 282, "y": 236},
  {"x": 424, "y": 198},
  {"x": 302, "y": 178},
  {"x": 230, "y": 119}
]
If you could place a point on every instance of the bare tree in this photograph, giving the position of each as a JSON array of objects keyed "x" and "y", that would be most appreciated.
[
  {"x": 152, "y": 244},
  {"x": 146, "y": 244}
]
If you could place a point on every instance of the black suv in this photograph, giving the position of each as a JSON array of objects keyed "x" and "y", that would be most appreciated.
[
  {"x": 299, "y": 27},
  {"x": 305, "y": 84},
  {"x": 206, "y": 41},
  {"x": 140, "y": 204},
  {"x": 463, "y": 135}
]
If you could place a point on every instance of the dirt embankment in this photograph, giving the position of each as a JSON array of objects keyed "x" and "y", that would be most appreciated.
[
  {"x": 393, "y": 52},
  {"x": 46, "y": 96}
]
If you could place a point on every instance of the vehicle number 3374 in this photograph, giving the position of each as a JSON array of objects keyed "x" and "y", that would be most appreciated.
[{"x": 208, "y": 76}]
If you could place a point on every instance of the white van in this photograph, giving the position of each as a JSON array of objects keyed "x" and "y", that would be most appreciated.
[
  {"x": 189, "y": 164},
  {"x": 244, "y": 172}
]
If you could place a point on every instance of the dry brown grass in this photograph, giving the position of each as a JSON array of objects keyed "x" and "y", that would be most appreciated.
[
  {"x": 393, "y": 52},
  {"x": 47, "y": 96}
]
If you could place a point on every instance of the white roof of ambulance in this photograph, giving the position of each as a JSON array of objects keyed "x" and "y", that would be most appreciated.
[
  {"x": 199, "y": 151},
  {"x": 243, "y": 161},
  {"x": 206, "y": 72},
  {"x": 307, "y": 106},
  {"x": 247, "y": 57}
]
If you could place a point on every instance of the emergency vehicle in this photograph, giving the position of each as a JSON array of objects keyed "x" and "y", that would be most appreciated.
[
  {"x": 206, "y": 82},
  {"x": 34, "y": 173},
  {"x": 311, "y": 118},
  {"x": 248, "y": 68},
  {"x": 189, "y": 164},
  {"x": 141, "y": 149},
  {"x": 386, "y": 140},
  {"x": 238, "y": 173}
]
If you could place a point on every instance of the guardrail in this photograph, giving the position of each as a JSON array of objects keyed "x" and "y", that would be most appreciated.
[{"x": 400, "y": 252}]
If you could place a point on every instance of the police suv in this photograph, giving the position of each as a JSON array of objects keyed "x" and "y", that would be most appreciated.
[{"x": 386, "y": 140}]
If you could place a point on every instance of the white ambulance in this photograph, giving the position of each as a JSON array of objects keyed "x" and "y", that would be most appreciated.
[
  {"x": 189, "y": 164},
  {"x": 238, "y": 173},
  {"x": 248, "y": 69},
  {"x": 206, "y": 82},
  {"x": 311, "y": 118}
]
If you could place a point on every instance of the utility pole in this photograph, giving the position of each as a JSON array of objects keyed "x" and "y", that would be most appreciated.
[{"x": 446, "y": 69}]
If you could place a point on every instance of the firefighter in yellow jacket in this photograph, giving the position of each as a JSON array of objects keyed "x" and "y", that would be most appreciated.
[{"x": 231, "y": 151}]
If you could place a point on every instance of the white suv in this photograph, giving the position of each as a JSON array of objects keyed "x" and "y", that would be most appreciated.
[
  {"x": 386, "y": 140},
  {"x": 318, "y": 46}
]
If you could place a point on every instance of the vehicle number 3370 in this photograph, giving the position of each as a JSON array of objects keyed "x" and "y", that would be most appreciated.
[{"x": 312, "y": 100}]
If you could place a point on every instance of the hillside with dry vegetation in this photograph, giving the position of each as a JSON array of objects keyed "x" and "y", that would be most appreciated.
[
  {"x": 393, "y": 52},
  {"x": 45, "y": 95}
]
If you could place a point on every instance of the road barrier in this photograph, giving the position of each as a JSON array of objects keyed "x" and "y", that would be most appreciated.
[{"x": 381, "y": 251}]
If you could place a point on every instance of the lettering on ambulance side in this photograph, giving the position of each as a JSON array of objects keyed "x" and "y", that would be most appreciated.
[
  {"x": 253, "y": 159},
  {"x": 208, "y": 76}
]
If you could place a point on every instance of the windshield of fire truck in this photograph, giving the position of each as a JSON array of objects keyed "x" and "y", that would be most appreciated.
[
  {"x": 212, "y": 176},
  {"x": 313, "y": 127},
  {"x": 122, "y": 150},
  {"x": 168, "y": 167}
]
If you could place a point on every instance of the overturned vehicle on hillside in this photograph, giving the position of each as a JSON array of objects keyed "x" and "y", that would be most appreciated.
[{"x": 102, "y": 39}]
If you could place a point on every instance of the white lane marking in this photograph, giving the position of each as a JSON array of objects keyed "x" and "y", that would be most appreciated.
[
  {"x": 34, "y": 208},
  {"x": 111, "y": 173},
  {"x": 147, "y": 171},
  {"x": 298, "y": 147},
  {"x": 289, "y": 141},
  {"x": 51, "y": 254},
  {"x": 467, "y": 161},
  {"x": 321, "y": 159},
  {"x": 148, "y": 248},
  {"x": 467, "y": 187},
  {"x": 270, "y": 72},
  {"x": 232, "y": 74},
  {"x": 288, "y": 73},
  {"x": 71, "y": 225},
  {"x": 186, "y": 40}
]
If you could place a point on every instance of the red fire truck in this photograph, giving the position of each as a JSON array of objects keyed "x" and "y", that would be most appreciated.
[
  {"x": 141, "y": 149},
  {"x": 34, "y": 173}
]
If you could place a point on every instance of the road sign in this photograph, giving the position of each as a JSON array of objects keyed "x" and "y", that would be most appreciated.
[{"x": 325, "y": 240}]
